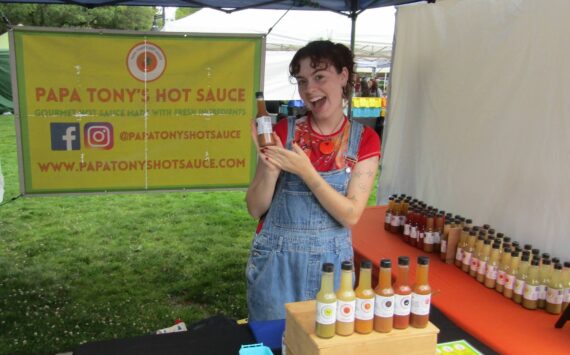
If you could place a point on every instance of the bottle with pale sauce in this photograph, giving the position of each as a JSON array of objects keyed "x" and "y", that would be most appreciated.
[
  {"x": 264, "y": 122},
  {"x": 364, "y": 314},
  {"x": 566, "y": 283},
  {"x": 483, "y": 260},
  {"x": 503, "y": 266},
  {"x": 384, "y": 299},
  {"x": 402, "y": 294},
  {"x": 531, "y": 286},
  {"x": 421, "y": 295},
  {"x": 468, "y": 252},
  {"x": 555, "y": 293},
  {"x": 544, "y": 274},
  {"x": 493, "y": 267},
  {"x": 346, "y": 301},
  {"x": 461, "y": 246},
  {"x": 511, "y": 271},
  {"x": 326, "y": 304},
  {"x": 521, "y": 278},
  {"x": 476, "y": 255}
]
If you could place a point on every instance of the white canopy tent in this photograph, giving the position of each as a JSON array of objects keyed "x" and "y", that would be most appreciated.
[{"x": 290, "y": 30}]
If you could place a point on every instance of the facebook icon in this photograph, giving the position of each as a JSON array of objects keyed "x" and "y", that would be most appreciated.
[{"x": 65, "y": 136}]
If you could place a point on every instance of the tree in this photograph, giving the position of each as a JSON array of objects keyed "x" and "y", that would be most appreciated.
[
  {"x": 109, "y": 17},
  {"x": 184, "y": 11}
]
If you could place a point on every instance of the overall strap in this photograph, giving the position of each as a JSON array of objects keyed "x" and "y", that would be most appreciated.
[
  {"x": 290, "y": 132},
  {"x": 356, "y": 129}
]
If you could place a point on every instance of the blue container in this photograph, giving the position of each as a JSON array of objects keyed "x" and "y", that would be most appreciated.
[
  {"x": 296, "y": 103},
  {"x": 255, "y": 349}
]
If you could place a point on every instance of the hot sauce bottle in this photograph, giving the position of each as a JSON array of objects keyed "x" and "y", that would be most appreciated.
[
  {"x": 389, "y": 211},
  {"x": 421, "y": 295},
  {"x": 346, "y": 301},
  {"x": 384, "y": 299},
  {"x": 555, "y": 293},
  {"x": 521, "y": 278},
  {"x": 402, "y": 294},
  {"x": 530, "y": 293},
  {"x": 511, "y": 274},
  {"x": 439, "y": 221},
  {"x": 476, "y": 255},
  {"x": 326, "y": 304},
  {"x": 493, "y": 266},
  {"x": 483, "y": 259},
  {"x": 395, "y": 220},
  {"x": 264, "y": 122},
  {"x": 503, "y": 266},
  {"x": 566, "y": 283},
  {"x": 544, "y": 274},
  {"x": 461, "y": 246},
  {"x": 468, "y": 252},
  {"x": 444, "y": 236},
  {"x": 364, "y": 315},
  {"x": 428, "y": 235}
]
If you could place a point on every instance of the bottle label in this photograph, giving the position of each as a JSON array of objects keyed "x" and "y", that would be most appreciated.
[
  {"x": 264, "y": 125},
  {"x": 530, "y": 292},
  {"x": 384, "y": 306},
  {"x": 395, "y": 222},
  {"x": 420, "y": 304},
  {"x": 436, "y": 238},
  {"x": 474, "y": 264},
  {"x": 345, "y": 311},
  {"x": 467, "y": 258},
  {"x": 459, "y": 254},
  {"x": 492, "y": 272},
  {"x": 482, "y": 267},
  {"x": 414, "y": 232},
  {"x": 402, "y": 304},
  {"x": 510, "y": 284},
  {"x": 388, "y": 218},
  {"x": 502, "y": 277},
  {"x": 428, "y": 238},
  {"x": 444, "y": 246},
  {"x": 407, "y": 229},
  {"x": 519, "y": 286},
  {"x": 554, "y": 296},
  {"x": 542, "y": 290},
  {"x": 567, "y": 294},
  {"x": 364, "y": 308},
  {"x": 422, "y": 235},
  {"x": 402, "y": 220},
  {"x": 326, "y": 313}
]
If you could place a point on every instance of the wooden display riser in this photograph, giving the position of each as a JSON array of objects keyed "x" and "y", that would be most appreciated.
[{"x": 300, "y": 337}]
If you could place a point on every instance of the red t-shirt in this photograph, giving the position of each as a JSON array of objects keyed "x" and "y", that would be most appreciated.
[{"x": 310, "y": 141}]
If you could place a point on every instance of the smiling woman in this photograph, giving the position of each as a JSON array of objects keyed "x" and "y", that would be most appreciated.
[{"x": 311, "y": 187}]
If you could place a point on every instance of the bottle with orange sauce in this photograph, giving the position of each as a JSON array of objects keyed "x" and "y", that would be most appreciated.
[
  {"x": 428, "y": 235},
  {"x": 402, "y": 294},
  {"x": 421, "y": 295},
  {"x": 384, "y": 299},
  {"x": 264, "y": 122},
  {"x": 346, "y": 301},
  {"x": 364, "y": 314}
]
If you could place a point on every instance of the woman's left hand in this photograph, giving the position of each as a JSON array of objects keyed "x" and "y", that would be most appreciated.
[{"x": 293, "y": 161}]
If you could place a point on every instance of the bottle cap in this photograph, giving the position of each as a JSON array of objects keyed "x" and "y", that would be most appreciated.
[
  {"x": 366, "y": 264},
  {"x": 516, "y": 244},
  {"x": 546, "y": 261},
  {"x": 481, "y": 237},
  {"x": 346, "y": 265},
  {"x": 328, "y": 267},
  {"x": 567, "y": 264},
  {"x": 507, "y": 250},
  {"x": 524, "y": 257},
  {"x": 535, "y": 251},
  {"x": 545, "y": 256},
  {"x": 468, "y": 221},
  {"x": 515, "y": 253},
  {"x": 500, "y": 235},
  {"x": 472, "y": 232},
  {"x": 557, "y": 266},
  {"x": 466, "y": 229},
  {"x": 403, "y": 260},
  {"x": 486, "y": 226},
  {"x": 259, "y": 95},
  {"x": 423, "y": 260},
  {"x": 527, "y": 247},
  {"x": 555, "y": 260},
  {"x": 487, "y": 241},
  {"x": 476, "y": 228},
  {"x": 496, "y": 245},
  {"x": 507, "y": 239},
  {"x": 385, "y": 263},
  {"x": 534, "y": 262}
]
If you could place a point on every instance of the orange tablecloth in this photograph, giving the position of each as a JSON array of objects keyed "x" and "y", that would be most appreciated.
[{"x": 495, "y": 320}]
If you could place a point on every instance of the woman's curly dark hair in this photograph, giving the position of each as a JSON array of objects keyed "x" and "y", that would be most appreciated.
[{"x": 329, "y": 53}]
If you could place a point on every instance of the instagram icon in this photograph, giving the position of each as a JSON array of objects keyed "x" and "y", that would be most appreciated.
[{"x": 98, "y": 135}]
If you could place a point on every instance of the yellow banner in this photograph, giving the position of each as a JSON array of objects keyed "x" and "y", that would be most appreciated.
[{"x": 120, "y": 111}]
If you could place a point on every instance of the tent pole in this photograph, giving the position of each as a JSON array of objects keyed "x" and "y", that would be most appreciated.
[{"x": 353, "y": 14}]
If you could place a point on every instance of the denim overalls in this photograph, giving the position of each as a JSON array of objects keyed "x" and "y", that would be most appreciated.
[{"x": 297, "y": 237}]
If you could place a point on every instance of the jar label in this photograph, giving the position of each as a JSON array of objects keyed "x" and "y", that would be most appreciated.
[
  {"x": 554, "y": 296},
  {"x": 436, "y": 238},
  {"x": 510, "y": 284},
  {"x": 407, "y": 229},
  {"x": 384, "y": 306},
  {"x": 420, "y": 304},
  {"x": 542, "y": 290},
  {"x": 345, "y": 311},
  {"x": 444, "y": 246},
  {"x": 474, "y": 264},
  {"x": 402, "y": 304},
  {"x": 482, "y": 267},
  {"x": 519, "y": 286},
  {"x": 530, "y": 292},
  {"x": 492, "y": 271},
  {"x": 402, "y": 220},
  {"x": 502, "y": 277},
  {"x": 326, "y": 313},
  {"x": 428, "y": 238},
  {"x": 364, "y": 308},
  {"x": 395, "y": 222},
  {"x": 414, "y": 232},
  {"x": 467, "y": 258}
]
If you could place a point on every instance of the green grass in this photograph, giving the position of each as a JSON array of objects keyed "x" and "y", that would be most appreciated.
[{"x": 75, "y": 269}]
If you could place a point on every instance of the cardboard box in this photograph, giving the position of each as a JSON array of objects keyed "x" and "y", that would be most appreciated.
[{"x": 300, "y": 337}]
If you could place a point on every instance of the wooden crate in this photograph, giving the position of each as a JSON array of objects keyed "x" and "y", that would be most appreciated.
[{"x": 300, "y": 337}]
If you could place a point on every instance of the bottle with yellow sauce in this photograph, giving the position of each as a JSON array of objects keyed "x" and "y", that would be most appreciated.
[
  {"x": 483, "y": 259},
  {"x": 566, "y": 283},
  {"x": 493, "y": 266},
  {"x": 346, "y": 301},
  {"x": 503, "y": 266},
  {"x": 544, "y": 274},
  {"x": 476, "y": 255},
  {"x": 384, "y": 299},
  {"x": 531, "y": 286},
  {"x": 521, "y": 278},
  {"x": 468, "y": 252},
  {"x": 555, "y": 293},
  {"x": 364, "y": 313},
  {"x": 461, "y": 246},
  {"x": 326, "y": 304},
  {"x": 511, "y": 274}
]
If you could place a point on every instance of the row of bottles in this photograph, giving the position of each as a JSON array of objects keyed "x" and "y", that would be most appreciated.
[
  {"x": 523, "y": 274},
  {"x": 365, "y": 309}
]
